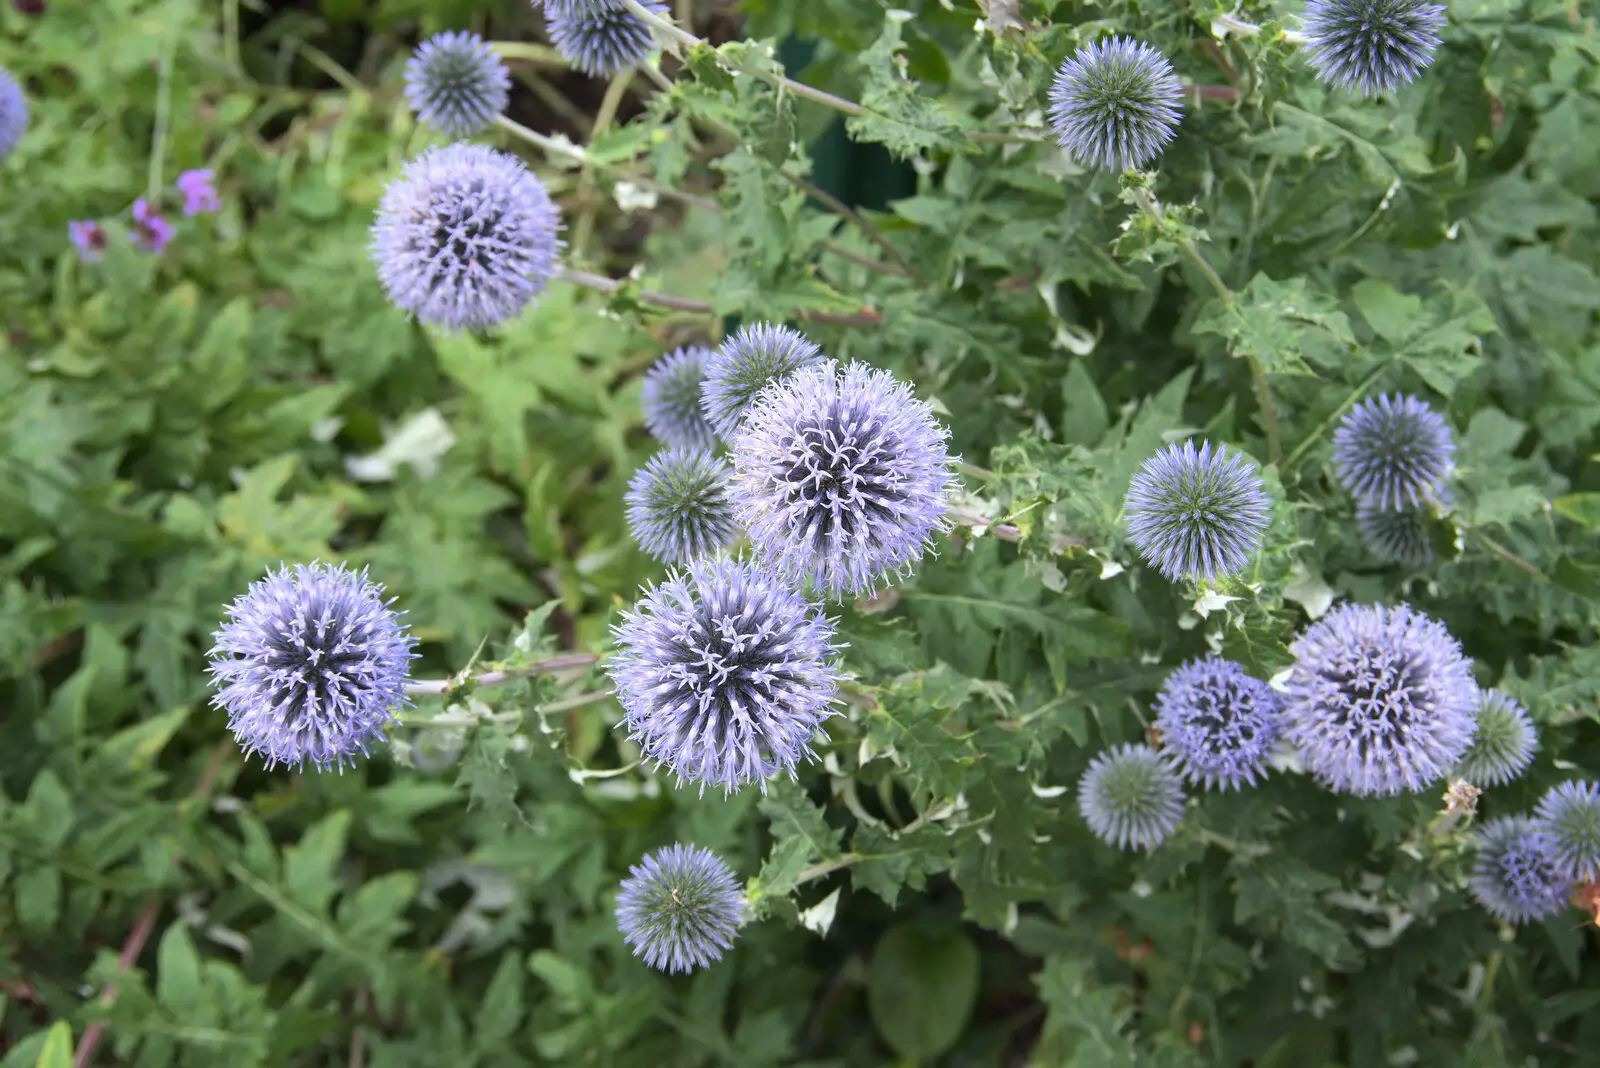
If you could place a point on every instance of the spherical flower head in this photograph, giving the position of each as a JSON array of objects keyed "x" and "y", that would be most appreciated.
[
  {"x": 678, "y": 508},
  {"x": 602, "y": 39},
  {"x": 680, "y": 908},
  {"x": 310, "y": 666},
  {"x": 724, "y": 674},
  {"x": 1395, "y": 537},
  {"x": 465, "y": 237},
  {"x": 456, "y": 83},
  {"x": 1373, "y": 46},
  {"x": 670, "y": 396},
  {"x": 1217, "y": 723},
  {"x": 1196, "y": 513},
  {"x": 1131, "y": 797},
  {"x": 13, "y": 113},
  {"x": 755, "y": 357},
  {"x": 198, "y": 193},
  {"x": 842, "y": 477},
  {"x": 1516, "y": 876},
  {"x": 1505, "y": 742},
  {"x": 1393, "y": 453},
  {"x": 1570, "y": 815},
  {"x": 1115, "y": 104},
  {"x": 1380, "y": 700},
  {"x": 90, "y": 237}
]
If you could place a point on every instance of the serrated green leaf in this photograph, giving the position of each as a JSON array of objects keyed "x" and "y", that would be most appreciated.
[{"x": 1282, "y": 324}]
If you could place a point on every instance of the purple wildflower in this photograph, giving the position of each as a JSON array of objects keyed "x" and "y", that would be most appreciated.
[
  {"x": 1196, "y": 513},
  {"x": 1115, "y": 104},
  {"x": 670, "y": 397},
  {"x": 1375, "y": 46},
  {"x": 755, "y": 357},
  {"x": 465, "y": 237},
  {"x": 1504, "y": 745},
  {"x": 1380, "y": 700},
  {"x": 1393, "y": 453},
  {"x": 1217, "y": 722},
  {"x": 13, "y": 113},
  {"x": 90, "y": 237},
  {"x": 1570, "y": 815},
  {"x": 198, "y": 193},
  {"x": 842, "y": 476},
  {"x": 1516, "y": 876},
  {"x": 310, "y": 666},
  {"x": 600, "y": 38},
  {"x": 678, "y": 508},
  {"x": 680, "y": 908},
  {"x": 151, "y": 232},
  {"x": 456, "y": 83},
  {"x": 724, "y": 674},
  {"x": 1131, "y": 797}
]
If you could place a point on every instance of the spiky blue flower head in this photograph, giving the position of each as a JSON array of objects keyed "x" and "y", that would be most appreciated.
[
  {"x": 465, "y": 237},
  {"x": 1196, "y": 513},
  {"x": 13, "y": 113},
  {"x": 1395, "y": 537},
  {"x": 1570, "y": 815},
  {"x": 1374, "y": 46},
  {"x": 724, "y": 673},
  {"x": 310, "y": 666},
  {"x": 678, "y": 508},
  {"x": 1380, "y": 700},
  {"x": 1217, "y": 723},
  {"x": 1115, "y": 104},
  {"x": 842, "y": 477},
  {"x": 1504, "y": 745},
  {"x": 755, "y": 357},
  {"x": 680, "y": 908},
  {"x": 457, "y": 83},
  {"x": 602, "y": 39},
  {"x": 1516, "y": 876},
  {"x": 1393, "y": 453},
  {"x": 670, "y": 397},
  {"x": 1131, "y": 797}
]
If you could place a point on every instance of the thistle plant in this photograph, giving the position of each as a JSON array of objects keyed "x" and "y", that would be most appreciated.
[
  {"x": 1393, "y": 453},
  {"x": 670, "y": 397},
  {"x": 755, "y": 357},
  {"x": 1131, "y": 797},
  {"x": 456, "y": 83},
  {"x": 1196, "y": 513},
  {"x": 1115, "y": 104},
  {"x": 1372, "y": 46},
  {"x": 678, "y": 507},
  {"x": 1218, "y": 724},
  {"x": 1516, "y": 877},
  {"x": 680, "y": 908},
  {"x": 1504, "y": 744},
  {"x": 601, "y": 39}
]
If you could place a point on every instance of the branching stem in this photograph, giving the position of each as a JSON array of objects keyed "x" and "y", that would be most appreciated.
[{"x": 444, "y": 687}]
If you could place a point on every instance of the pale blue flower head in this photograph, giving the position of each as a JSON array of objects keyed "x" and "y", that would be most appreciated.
[
  {"x": 755, "y": 357},
  {"x": 1516, "y": 876},
  {"x": 724, "y": 674},
  {"x": 465, "y": 237},
  {"x": 1115, "y": 104},
  {"x": 1380, "y": 700},
  {"x": 1570, "y": 815},
  {"x": 680, "y": 908},
  {"x": 1197, "y": 513},
  {"x": 1504, "y": 745},
  {"x": 602, "y": 39},
  {"x": 670, "y": 397},
  {"x": 1374, "y": 46},
  {"x": 1393, "y": 453},
  {"x": 1131, "y": 797},
  {"x": 841, "y": 477},
  {"x": 310, "y": 666},
  {"x": 678, "y": 507},
  {"x": 1217, "y": 723},
  {"x": 13, "y": 113},
  {"x": 457, "y": 84},
  {"x": 1395, "y": 537}
]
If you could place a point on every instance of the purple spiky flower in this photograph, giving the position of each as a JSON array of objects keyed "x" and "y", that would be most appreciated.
[
  {"x": 13, "y": 113},
  {"x": 1516, "y": 876},
  {"x": 1504, "y": 745},
  {"x": 457, "y": 83},
  {"x": 310, "y": 666},
  {"x": 600, "y": 38},
  {"x": 465, "y": 237},
  {"x": 1196, "y": 513},
  {"x": 1570, "y": 815},
  {"x": 1115, "y": 104},
  {"x": 680, "y": 908},
  {"x": 842, "y": 477},
  {"x": 1380, "y": 700},
  {"x": 670, "y": 397},
  {"x": 1131, "y": 797},
  {"x": 678, "y": 507},
  {"x": 755, "y": 357},
  {"x": 725, "y": 674},
  {"x": 1374, "y": 46},
  {"x": 1393, "y": 453},
  {"x": 1217, "y": 723}
]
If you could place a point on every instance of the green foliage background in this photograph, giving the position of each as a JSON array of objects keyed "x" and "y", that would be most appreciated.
[{"x": 169, "y": 428}]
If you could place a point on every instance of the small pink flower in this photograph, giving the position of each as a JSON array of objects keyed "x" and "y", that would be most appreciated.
[
  {"x": 198, "y": 194},
  {"x": 90, "y": 238}
]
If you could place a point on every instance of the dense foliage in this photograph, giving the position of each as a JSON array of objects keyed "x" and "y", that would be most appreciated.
[{"x": 1228, "y": 693}]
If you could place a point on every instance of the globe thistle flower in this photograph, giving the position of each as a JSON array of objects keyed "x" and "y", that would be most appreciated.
[
  {"x": 1131, "y": 797},
  {"x": 199, "y": 195},
  {"x": 1380, "y": 700},
  {"x": 1217, "y": 723},
  {"x": 1393, "y": 453},
  {"x": 670, "y": 397},
  {"x": 1516, "y": 876},
  {"x": 724, "y": 674},
  {"x": 842, "y": 476},
  {"x": 465, "y": 237},
  {"x": 456, "y": 83},
  {"x": 1570, "y": 815},
  {"x": 151, "y": 232},
  {"x": 310, "y": 665},
  {"x": 1115, "y": 104},
  {"x": 1374, "y": 46},
  {"x": 1504, "y": 744},
  {"x": 678, "y": 506},
  {"x": 13, "y": 113},
  {"x": 1395, "y": 537},
  {"x": 680, "y": 908},
  {"x": 745, "y": 364},
  {"x": 602, "y": 39},
  {"x": 90, "y": 238},
  {"x": 1196, "y": 513}
]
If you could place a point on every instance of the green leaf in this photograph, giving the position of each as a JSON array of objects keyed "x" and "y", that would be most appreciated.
[
  {"x": 1086, "y": 1021},
  {"x": 486, "y": 773},
  {"x": 1576, "y": 578},
  {"x": 501, "y": 1009},
  {"x": 58, "y": 1050},
  {"x": 1581, "y": 508},
  {"x": 309, "y": 866},
  {"x": 800, "y": 837},
  {"x": 922, "y": 989},
  {"x": 37, "y": 895},
  {"x": 898, "y": 116},
  {"x": 48, "y": 811},
  {"x": 1282, "y": 324},
  {"x": 178, "y": 972},
  {"x": 704, "y": 63},
  {"x": 221, "y": 362}
]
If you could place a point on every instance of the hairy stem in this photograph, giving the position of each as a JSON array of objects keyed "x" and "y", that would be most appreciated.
[{"x": 423, "y": 687}]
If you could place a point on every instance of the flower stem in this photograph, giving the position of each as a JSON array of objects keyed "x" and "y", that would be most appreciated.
[
  {"x": 865, "y": 317},
  {"x": 538, "y": 53},
  {"x": 1499, "y": 550},
  {"x": 424, "y": 687},
  {"x": 576, "y": 153},
  {"x": 826, "y": 867}
]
